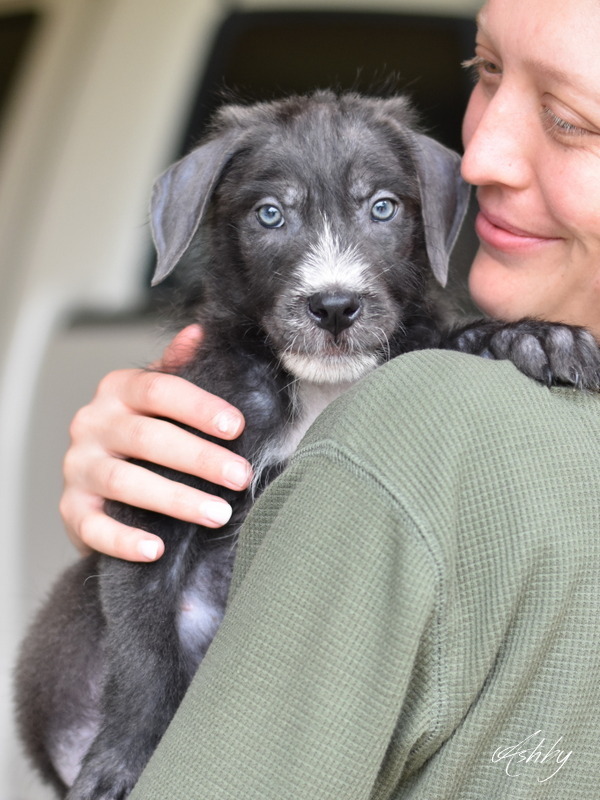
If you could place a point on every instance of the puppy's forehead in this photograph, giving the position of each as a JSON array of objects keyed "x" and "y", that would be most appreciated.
[
  {"x": 325, "y": 148},
  {"x": 326, "y": 135}
]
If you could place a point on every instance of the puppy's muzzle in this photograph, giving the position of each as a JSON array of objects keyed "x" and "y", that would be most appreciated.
[{"x": 334, "y": 311}]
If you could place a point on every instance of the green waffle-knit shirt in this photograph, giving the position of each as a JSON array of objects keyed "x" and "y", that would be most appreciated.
[{"x": 415, "y": 610}]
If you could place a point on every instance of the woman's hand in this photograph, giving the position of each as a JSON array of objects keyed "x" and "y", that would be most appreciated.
[{"x": 121, "y": 422}]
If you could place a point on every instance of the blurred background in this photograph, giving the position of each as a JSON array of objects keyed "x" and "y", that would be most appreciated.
[{"x": 96, "y": 98}]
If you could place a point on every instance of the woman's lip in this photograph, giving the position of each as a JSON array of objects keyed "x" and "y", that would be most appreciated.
[{"x": 502, "y": 235}]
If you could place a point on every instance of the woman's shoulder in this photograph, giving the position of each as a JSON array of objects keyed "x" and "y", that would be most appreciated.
[
  {"x": 446, "y": 374},
  {"x": 436, "y": 398},
  {"x": 434, "y": 381}
]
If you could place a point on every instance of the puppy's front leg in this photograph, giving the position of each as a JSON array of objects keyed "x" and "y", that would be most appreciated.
[
  {"x": 146, "y": 670},
  {"x": 550, "y": 352}
]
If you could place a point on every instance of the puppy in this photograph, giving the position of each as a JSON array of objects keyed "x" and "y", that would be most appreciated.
[{"x": 310, "y": 234}]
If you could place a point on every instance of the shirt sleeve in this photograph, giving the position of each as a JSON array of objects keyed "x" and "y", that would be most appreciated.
[{"x": 309, "y": 675}]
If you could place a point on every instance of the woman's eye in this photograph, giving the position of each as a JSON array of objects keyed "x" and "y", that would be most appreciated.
[
  {"x": 270, "y": 216},
  {"x": 558, "y": 126},
  {"x": 384, "y": 210},
  {"x": 482, "y": 67}
]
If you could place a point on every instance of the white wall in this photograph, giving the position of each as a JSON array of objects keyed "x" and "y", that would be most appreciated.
[
  {"x": 101, "y": 102},
  {"x": 95, "y": 117}
]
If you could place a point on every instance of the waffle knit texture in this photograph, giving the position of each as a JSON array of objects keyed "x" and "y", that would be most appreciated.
[{"x": 415, "y": 606}]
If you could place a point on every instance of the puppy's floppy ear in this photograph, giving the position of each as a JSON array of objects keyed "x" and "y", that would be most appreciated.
[
  {"x": 444, "y": 200},
  {"x": 179, "y": 199}
]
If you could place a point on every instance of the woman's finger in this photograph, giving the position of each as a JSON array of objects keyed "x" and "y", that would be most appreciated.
[
  {"x": 180, "y": 349},
  {"x": 144, "y": 438},
  {"x": 129, "y": 483},
  {"x": 98, "y": 531},
  {"x": 159, "y": 394}
]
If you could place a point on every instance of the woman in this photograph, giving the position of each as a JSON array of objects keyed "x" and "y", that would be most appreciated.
[{"x": 424, "y": 623}]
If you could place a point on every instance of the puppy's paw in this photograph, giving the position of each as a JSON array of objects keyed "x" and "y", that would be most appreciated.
[
  {"x": 100, "y": 780},
  {"x": 118, "y": 790},
  {"x": 548, "y": 352}
]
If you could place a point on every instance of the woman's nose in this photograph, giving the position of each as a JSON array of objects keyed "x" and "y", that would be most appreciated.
[{"x": 497, "y": 140}]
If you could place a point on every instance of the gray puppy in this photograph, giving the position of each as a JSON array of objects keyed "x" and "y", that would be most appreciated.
[{"x": 311, "y": 233}]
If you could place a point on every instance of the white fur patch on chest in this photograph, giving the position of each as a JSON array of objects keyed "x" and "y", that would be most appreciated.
[{"x": 310, "y": 400}]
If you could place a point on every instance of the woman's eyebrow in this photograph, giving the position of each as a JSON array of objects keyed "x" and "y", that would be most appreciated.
[
  {"x": 571, "y": 79},
  {"x": 480, "y": 20},
  {"x": 551, "y": 71},
  {"x": 538, "y": 65}
]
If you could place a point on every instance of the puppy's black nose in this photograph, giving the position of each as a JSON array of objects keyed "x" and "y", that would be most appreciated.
[{"x": 334, "y": 311}]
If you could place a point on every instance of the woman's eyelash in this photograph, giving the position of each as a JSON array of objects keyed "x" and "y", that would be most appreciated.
[
  {"x": 555, "y": 123},
  {"x": 477, "y": 65},
  {"x": 469, "y": 63}
]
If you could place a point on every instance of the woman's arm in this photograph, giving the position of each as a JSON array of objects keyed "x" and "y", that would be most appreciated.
[
  {"x": 123, "y": 421},
  {"x": 300, "y": 693}
]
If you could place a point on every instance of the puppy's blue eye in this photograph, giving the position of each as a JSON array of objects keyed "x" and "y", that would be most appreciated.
[
  {"x": 384, "y": 210},
  {"x": 270, "y": 216}
]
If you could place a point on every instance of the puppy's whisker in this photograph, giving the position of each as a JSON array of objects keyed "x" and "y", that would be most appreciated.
[{"x": 384, "y": 342}]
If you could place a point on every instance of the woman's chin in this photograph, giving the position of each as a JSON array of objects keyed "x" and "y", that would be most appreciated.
[{"x": 498, "y": 290}]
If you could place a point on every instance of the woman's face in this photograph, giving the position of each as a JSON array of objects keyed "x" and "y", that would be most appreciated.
[{"x": 532, "y": 147}]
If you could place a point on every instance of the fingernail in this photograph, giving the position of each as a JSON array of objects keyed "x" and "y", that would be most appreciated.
[
  {"x": 237, "y": 474},
  {"x": 148, "y": 548},
  {"x": 218, "y": 513},
  {"x": 228, "y": 423}
]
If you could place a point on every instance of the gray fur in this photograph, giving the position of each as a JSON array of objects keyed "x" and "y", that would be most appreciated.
[{"x": 293, "y": 315}]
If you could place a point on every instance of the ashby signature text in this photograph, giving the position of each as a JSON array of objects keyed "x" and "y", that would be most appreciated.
[{"x": 532, "y": 750}]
